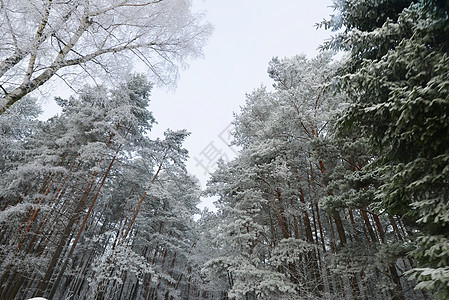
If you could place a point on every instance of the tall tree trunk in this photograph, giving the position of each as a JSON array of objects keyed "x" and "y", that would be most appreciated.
[
  {"x": 87, "y": 215},
  {"x": 64, "y": 239}
]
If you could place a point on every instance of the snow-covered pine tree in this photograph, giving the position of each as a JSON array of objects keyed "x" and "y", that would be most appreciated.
[
  {"x": 76, "y": 200},
  {"x": 270, "y": 193}
]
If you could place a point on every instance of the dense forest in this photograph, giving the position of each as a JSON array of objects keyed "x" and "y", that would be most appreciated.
[{"x": 340, "y": 189}]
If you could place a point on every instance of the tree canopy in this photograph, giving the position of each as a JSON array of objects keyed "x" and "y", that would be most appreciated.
[
  {"x": 396, "y": 79},
  {"x": 99, "y": 39}
]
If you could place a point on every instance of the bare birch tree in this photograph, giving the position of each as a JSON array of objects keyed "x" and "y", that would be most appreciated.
[{"x": 66, "y": 39}]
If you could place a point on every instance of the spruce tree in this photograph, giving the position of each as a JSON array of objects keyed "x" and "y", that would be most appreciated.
[{"x": 396, "y": 79}]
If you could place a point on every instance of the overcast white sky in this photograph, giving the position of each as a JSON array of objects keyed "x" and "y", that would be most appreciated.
[{"x": 248, "y": 33}]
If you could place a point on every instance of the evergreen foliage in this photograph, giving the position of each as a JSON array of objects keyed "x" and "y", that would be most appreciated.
[
  {"x": 396, "y": 79},
  {"x": 91, "y": 206},
  {"x": 298, "y": 201}
]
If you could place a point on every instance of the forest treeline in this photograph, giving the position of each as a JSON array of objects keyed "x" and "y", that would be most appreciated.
[
  {"x": 340, "y": 189},
  {"x": 92, "y": 208}
]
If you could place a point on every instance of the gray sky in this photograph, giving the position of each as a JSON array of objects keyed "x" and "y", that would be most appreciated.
[{"x": 248, "y": 33}]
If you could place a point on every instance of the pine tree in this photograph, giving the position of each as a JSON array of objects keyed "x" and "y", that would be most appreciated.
[
  {"x": 78, "y": 196},
  {"x": 269, "y": 195}
]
